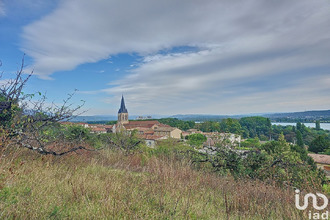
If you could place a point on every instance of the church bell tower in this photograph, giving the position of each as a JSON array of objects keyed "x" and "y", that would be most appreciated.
[{"x": 122, "y": 113}]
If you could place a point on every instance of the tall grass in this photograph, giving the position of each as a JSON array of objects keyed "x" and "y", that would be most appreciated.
[{"x": 110, "y": 185}]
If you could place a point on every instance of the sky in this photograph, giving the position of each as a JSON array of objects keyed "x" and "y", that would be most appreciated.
[{"x": 172, "y": 57}]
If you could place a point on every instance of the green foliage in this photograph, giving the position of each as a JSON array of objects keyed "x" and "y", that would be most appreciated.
[
  {"x": 327, "y": 151},
  {"x": 7, "y": 115},
  {"x": 126, "y": 142},
  {"x": 208, "y": 126},
  {"x": 279, "y": 148},
  {"x": 169, "y": 147},
  {"x": 317, "y": 125},
  {"x": 251, "y": 143},
  {"x": 255, "y": 127},
  {"x": 174, "y": 122},
  {"x": 299, "y": 126},
  {"x": 326, "y": 188},
  {"x": 196, "y": 139},
  {"x": 290, "y": 133},
  {"x": 300, "y": 141},
  {"x": 68, "y": 133},
  {"x": 292, "y": 165},
  {"x": 77, "y": 132},
  {"x": 111, "y": 122},
  {"x": 230, "y": 125},
  {"x": 275, "y": 161},
  {"x": 319, "y": 144}
]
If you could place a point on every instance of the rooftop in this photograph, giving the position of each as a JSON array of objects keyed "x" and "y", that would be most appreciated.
[{"x": 320, "y": 158}]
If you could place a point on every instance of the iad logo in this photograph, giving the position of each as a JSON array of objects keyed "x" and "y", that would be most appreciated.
[{"x": 315, "y": 215}]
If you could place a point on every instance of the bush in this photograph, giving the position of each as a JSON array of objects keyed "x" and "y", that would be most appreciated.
[
  {"x": 196, "y": 139},
  {"x": 251, "y": 143},
  {"x": 275, "y": 162}
]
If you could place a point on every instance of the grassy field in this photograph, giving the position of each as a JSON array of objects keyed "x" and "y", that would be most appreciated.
[{"x": 110, "y": 185}]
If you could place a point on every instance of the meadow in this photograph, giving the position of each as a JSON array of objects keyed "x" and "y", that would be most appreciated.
[{"x": 108, "y": 184}]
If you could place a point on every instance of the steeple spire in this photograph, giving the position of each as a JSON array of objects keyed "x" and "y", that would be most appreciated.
[{"x": 122, "y": 106}]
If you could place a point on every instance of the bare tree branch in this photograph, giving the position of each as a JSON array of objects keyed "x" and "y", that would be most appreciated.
[{"x": 30, "y": 118}]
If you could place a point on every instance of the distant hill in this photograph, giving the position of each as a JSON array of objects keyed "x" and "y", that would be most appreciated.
[
  {"x": 94, "y": 118},
  {"x": 307, "y": 116},
  {"x": 105, "y": 118},
  {"x": 202, "y": 117}
]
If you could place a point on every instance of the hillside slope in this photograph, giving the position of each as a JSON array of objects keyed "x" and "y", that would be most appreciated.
[{"x": 111, "y": 185}]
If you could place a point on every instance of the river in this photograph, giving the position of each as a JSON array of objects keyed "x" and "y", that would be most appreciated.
[{"x": 325, "y": 126}]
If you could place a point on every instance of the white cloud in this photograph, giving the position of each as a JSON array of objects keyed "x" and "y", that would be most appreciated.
[
  {"x": 191, "y": 82},
  {"x": 87, "y": 31},
  {"x": 2, "y": 9},
  {"x": 237, "y": 44}
]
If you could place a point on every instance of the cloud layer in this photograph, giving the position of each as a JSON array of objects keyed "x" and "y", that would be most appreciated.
[{"x": 260, "y": 53}]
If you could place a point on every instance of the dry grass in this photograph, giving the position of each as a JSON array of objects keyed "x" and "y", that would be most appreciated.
[{"x": 110, "y": 185}]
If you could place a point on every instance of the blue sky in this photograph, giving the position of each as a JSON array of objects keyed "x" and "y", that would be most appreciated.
[{"x": 172, "y": 57}]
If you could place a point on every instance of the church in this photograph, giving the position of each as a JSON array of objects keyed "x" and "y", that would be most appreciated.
[{"x": 148, "y": 130}]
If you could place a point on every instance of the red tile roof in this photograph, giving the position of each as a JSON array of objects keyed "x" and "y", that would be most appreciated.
[
  {"x": 142, "y": 124},
  {"x": 108, "y": 126},
  {"x": 320, "y": 158},
  {"x": 150, "y": 137}
]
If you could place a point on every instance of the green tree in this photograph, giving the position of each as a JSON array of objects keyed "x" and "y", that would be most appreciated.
[
  {"x": 196, "y": 139},
  {"x": 77, "y": 132},
  {"x": 256, "y": 126},
  {"x": 209, "y": 126},
  {"x": 300, "y": 141},
  {"x": 318, "y": 125},
  {"x": 319, "y": 144},
  {"x": 29, "y": 121},
  {"x": 230, "y": 125},
  {"x": 270, "y": 131},
  {"x": 299, "y": 126},
  {"x": 251, "y": 143},
  {"x": 275, "y": 161},
  {"x": 174, "y": 122}
]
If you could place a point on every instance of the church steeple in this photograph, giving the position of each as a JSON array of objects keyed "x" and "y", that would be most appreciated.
[
  {"x": 122, "y": 113},
  {"x": 122, "y": 106}
]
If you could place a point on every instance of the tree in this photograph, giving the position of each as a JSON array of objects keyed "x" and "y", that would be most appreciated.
[
  {"x": 196, "y": 139},
  {"x": 269, "y": 125},
  {"x": 230, "y": 125},
  {"x": 318, "y": 125},
  {"x": 319, "y": 144},
  {"x": 300, "y": 141},
  {"x": 28, "y": 121},
  {"x": 209, "y": 126},
  {"x": 299, "y": 126},
  {"x": 124, "y": 141},
  {"x": 174, "y": 122},
  {"x": 275, "y": 161},
  {"x": 256, "y": 126}
]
